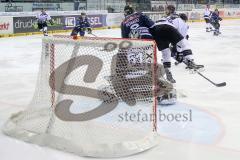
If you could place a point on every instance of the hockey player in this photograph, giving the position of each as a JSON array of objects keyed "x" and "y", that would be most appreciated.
[
  {"x": 82, "y": 24},
  {"x": 178, "y": 22},
  {"x": 214, "y": 19},
  {"x": 206, "y": 16},
  {"x": 163, "y": 32},
  {"x": 42, "y": 20},
  {"x": 138, "y": 25},
  {"x": 135, "y": 24}
]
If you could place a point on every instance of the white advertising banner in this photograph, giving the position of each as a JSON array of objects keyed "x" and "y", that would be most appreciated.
[
  {"x": 114, "y": 19},
  {"x": 6, "y": 25}
]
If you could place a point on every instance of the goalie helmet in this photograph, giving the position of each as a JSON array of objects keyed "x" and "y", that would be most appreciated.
[{"x": 128, "y": 10}]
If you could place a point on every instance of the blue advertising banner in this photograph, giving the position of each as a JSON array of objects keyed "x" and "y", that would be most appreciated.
[
  {"x": 29, "y": 24},
  {"x": 96, "y": 21}
]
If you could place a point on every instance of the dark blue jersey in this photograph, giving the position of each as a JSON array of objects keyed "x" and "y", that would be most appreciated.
[
  {"x": 215, "y": 17},
  {"x": 82, "y": 23},
  {"x": 136, "y": 25}
]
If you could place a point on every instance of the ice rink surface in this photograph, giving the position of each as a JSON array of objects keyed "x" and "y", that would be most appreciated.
[{"x": 215, "y": 135}]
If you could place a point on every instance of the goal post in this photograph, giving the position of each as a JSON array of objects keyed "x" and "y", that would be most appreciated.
[{"x": 94, "y": 97}]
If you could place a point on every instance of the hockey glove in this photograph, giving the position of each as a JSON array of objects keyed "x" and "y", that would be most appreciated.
[
  {"x": 51, "y": 22},
  {"x": 220, "y": 19},
  {"x": 89, "y": 30},
  {"x": 179, "y": 57}
]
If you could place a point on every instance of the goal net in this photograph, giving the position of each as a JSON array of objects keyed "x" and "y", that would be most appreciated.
[{"x": 94, "y": 97}]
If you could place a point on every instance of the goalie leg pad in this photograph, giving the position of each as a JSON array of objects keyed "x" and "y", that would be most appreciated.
[{"x": 169, "y": 98}]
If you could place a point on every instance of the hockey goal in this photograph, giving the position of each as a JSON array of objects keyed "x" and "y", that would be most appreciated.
[{"x": 94, "y": 97}]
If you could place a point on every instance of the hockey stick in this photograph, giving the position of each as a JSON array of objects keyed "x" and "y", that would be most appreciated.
[
  {"x": 215, "y": 84},
  {"x": 94, "y": 35}
]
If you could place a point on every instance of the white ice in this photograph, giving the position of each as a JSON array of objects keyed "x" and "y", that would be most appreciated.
[{"x": 19, "y": 61}]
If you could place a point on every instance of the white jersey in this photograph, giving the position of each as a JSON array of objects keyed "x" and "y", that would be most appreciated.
[
  {"x": 42, "y": 18},
  {"x": 179, "y": 24},
  {"x": 163, "y": 20},
  {"x": 207, "y": 13}
]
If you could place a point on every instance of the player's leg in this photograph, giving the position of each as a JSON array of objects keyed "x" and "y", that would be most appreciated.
[
  {"x": 215, "y": 26},
  {"x": 45, "y": 33},
  {"x": 161, "y": 36},
  {"x": 207, "y": 24},
  {"x": 82, "y": 33},
  {"x": 40, "y": 27},
  {"x": 74, "y": 32},
  {"x": 177, "y": 40},
  {"x": 217, "y": 32},
  {"x": 163, "y": 46},
  {"x": 184, "y": 52},
  {"x": 166, "y": 58}
]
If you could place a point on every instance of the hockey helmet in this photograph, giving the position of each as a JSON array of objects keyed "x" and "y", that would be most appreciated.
[
  {"x": 83, "y": 15},
  {"x": 43, "y": 10},
  {"x": 170, "y": 9},
  {"x": 128, "y": 10},
  {"x": 216, "y": 11},
  {"x": 183, "y": 16}
]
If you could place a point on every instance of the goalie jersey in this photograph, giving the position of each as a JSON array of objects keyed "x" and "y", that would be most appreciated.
[{"x": 136, "y": 25}]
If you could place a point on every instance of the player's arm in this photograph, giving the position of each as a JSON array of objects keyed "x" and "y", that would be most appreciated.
[
  {"x": 123, "y": 31},
  {"x": 88, "y": 26},
  {"x": 149, "y": 23},
  {"x": 219, "y": 18},
  {"x": 37, "y": 17},
  {"x": 49, "y": 19}
]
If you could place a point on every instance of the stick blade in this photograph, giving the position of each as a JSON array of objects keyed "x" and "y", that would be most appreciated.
[{"x": 221, "y": 84}]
